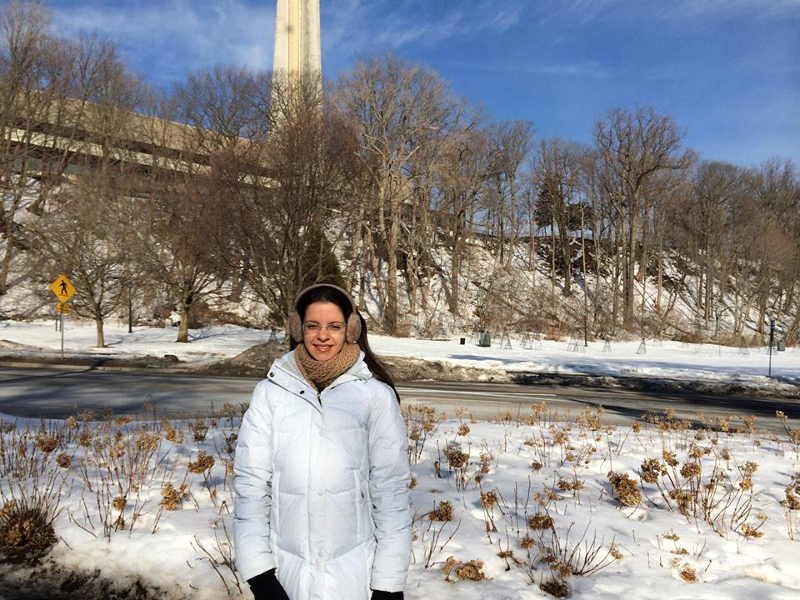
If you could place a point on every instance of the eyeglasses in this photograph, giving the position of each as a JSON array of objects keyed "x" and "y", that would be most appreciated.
[{"x": 314, "y": 327}]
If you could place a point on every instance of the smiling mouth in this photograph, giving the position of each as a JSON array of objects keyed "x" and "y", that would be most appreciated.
[{"x": 323, "y": 348}]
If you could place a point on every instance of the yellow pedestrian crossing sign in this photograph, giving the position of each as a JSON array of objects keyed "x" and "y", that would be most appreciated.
[{"x": 62, "y": 288}]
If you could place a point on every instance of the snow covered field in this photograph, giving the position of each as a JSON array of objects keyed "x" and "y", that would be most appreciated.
[
  {"x": 501, "y": 509},
  {"x": 673, "y": 360}
]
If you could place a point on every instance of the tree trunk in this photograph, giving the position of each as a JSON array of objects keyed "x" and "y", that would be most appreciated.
[
  {"x": 762, "y": 313},
  {"x": 391, "y": 276},
  {"x": 553, "y": 263},
  {"x": 633, "y": 228},
  {"x": 101, "y": 340},
  {"x": 566, "y": 257},
  {"x": 512, "y": 219},
  {"x": 5, "y": 269},
  {"x": 618, "y": 257},
  {"x": 794, "y": 329},
  {"x": 597, "y": 262},
  {"x": 660, "y": 277},
  {"x": 709, "y": 284},
  {"x": 455, "y": 267},
  {"x": 183, "y": 327},
  {"x": 642, "y": 272},
  {"x": 583, "y": 267},
  {"x": 532, "y": 253}
]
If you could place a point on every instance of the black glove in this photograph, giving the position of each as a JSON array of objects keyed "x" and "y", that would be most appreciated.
[
  {"x": 381, "y": 595},
  {"x": 267, "y": 587}
]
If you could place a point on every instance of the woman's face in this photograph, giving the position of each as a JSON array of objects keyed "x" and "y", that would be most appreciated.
[{"x": 323, "y": 330}]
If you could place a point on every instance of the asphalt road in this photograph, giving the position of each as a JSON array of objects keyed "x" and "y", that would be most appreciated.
[{"x": 53, "y": 393}]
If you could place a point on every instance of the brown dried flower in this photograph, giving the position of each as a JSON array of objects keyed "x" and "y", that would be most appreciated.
[
  {"x": 455, "y": 457},
  {"x": 688, "y": 574},
  {"x": 489, "y": 499},
  {"x": 202, "y": 464},
  {"x": 46, "y": 443},
  {"x": 651, "y": 470},
  {"x": 540, "y": 521},
  {"x": 570, "y": 485},
  {"x": 625, "y": 488},
  {"x": 172, "y": 498},
  {"x": 472, "y": 570},
  {"x": 63, "y": 461},
  {"x": 690, "y": 470},
  {"x": 443, "y": 513}
]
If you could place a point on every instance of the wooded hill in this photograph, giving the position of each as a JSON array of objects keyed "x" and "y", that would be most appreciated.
[{"x": 431, "y": 212}]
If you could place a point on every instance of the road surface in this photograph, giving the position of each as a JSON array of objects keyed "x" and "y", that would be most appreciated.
[{"x": 56, "y": 394}]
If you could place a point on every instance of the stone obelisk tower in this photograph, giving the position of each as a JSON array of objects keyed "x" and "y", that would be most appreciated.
[{"x": 297, "y": 39}]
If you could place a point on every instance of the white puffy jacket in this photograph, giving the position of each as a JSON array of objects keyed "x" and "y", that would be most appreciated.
[{"x": 322, "y": 485}]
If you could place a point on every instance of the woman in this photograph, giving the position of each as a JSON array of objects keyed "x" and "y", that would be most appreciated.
[{"x": 321, "y": 471}]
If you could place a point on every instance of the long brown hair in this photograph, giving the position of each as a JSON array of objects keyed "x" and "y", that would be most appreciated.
[{"x": 333, "y": 295}]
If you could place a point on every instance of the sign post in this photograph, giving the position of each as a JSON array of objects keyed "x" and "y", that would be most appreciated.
[{"x": 64, "y": 290}]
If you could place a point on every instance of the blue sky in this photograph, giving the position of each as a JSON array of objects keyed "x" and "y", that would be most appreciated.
[{"x": 728, "y": 71}]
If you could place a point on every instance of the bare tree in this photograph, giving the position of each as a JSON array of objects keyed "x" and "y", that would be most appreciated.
[
  {"x": 85, "y": 237},
  {"x": 464, "y": 172},
  {"x": 288, "y": 226},
  {"x": 633, "y": 146},
  {"x": 556, "y": 176},
  {"x": 34, "y": 76},
  {"x": 398, "y": 109},
  {"x": 509, "y": 145}
]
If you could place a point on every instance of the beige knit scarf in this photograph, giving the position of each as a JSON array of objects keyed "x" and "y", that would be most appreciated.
[{"x": 321, "y": 373}]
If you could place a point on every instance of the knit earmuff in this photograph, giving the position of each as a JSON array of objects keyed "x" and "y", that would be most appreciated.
[{"x": 353, "y": 331}]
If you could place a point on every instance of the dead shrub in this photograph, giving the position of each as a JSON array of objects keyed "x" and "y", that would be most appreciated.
[
  {"x": 571, "y": 485},
  {"x": 26, "y": 532},
  {"x": 46, "y": 443},
  {"x": 554, "y": 587},
  {"x": 688, "y": 574},
  {"x": 171, "y": 498},
  {"x": 540, "y": 521},
  {"x": 443, "y": 513},
  {"x": 651, "y": 470},
  {"x": 472, "y": 570},
  {"x": 625, "y": 489},
  {"x": 203, "y": 463},
  {"x": 199, "y": 430},
  {"x": 792, "y": 492}
]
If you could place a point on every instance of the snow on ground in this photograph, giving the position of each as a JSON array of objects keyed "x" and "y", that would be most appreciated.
[
  {"x": 673, "y": 360},
  {"x": 222, "y": 341},
  {"x": 530, "y": 498}
]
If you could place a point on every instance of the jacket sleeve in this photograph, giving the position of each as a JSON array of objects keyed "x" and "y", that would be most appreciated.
[
  {"x": 389, "y": 476},
  {"x": 252, "y": 469}
]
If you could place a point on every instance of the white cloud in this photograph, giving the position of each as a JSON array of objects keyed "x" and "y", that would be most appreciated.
[
  {"x": 584, "y": 12},
  {"x": 584, "y": 69},
  {"x": 177, "y": 33},
  {"x": 351, "y": 27}
]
